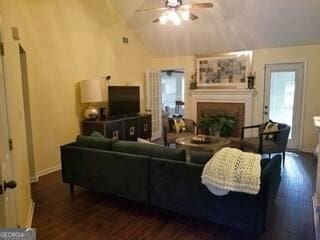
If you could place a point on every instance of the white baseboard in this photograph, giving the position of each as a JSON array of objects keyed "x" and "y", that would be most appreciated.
[
  {"x": 30, "y": 214},
  {"x": 316, "y": 218},
  {"x": 44, "y": 172},
  {"x": 307, "y": 150},
  {"x": 48, "y": 170},
  {"x": 34, "y": 179}
]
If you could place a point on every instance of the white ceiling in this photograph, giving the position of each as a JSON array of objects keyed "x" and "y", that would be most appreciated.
[{"x": 230, "y": 25}]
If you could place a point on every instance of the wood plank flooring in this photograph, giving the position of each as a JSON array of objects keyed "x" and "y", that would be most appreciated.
[{"x": 94, "y": 216}]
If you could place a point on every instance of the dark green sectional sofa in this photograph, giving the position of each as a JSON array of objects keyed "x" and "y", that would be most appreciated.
[{"x": 160, "y": 177}]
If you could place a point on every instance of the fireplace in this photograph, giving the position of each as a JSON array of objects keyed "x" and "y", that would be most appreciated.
[
  {"x": 233, "y": 102},
  {"x": 236, "y": 110}
]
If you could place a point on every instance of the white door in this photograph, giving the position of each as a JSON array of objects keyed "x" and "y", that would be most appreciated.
[
  {"x": 283, "y": 97},
  {"x": 8, "y": 216},
  {"x": 154, "y": 106}
]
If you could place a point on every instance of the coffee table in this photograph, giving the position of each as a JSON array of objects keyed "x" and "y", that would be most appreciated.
[{"x": 214, "y": 146}]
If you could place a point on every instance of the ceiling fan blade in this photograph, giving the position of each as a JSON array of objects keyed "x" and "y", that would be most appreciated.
[
  {"x": 156, "y": 20},
  {"x": 151, "y": 9},
  {"x": 193, "y": 17},
  {"x": 197, "y": 5}
]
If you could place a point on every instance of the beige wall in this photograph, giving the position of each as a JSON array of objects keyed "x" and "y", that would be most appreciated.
[
  {"x": 310, "y": 54},
  {"x": 10, "y": 17},
  {"x": 68, "y": 41}
]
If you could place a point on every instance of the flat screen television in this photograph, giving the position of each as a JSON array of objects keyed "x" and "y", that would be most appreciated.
[{"x": 124, "y": 100}]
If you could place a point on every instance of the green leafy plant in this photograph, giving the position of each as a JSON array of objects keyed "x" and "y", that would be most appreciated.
[
  {"x": 218, "y": 123},
  {"x": 193, "y": 82}
]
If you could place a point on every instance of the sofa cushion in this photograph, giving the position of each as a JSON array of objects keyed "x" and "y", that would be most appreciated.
[
  {"x": 200, "y": 157},
  {"x": 151, "y": 150},
  {"x": 252, "y": 143},
  {"x": 264, "y": 163},
  {"x": 94, "y": 142},
  {"x": 203, "y": 157}
]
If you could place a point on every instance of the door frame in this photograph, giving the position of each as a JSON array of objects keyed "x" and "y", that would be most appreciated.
[
  {"x": 12, "y": 210},
  {"x": 304, "y": 85}
]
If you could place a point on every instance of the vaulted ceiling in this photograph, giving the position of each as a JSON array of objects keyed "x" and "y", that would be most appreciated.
[{"x": 230, "y": 25}]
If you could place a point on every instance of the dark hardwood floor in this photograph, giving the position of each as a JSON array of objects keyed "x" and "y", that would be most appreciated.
[{"x": 93, "y": 215}]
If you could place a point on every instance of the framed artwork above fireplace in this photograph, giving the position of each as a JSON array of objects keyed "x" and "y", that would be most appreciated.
[{"x": 227, "y": 70}]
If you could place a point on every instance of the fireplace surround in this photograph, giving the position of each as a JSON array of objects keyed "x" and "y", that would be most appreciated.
[{"x": 235, "y": 102}]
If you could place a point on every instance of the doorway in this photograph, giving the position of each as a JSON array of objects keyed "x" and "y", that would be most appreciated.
[
  {"x": 173, "y": 91},
  {"x": 283, "y": 97},
  {"x": 27, "y": 111},
  {"x": 153, "y": 85}
]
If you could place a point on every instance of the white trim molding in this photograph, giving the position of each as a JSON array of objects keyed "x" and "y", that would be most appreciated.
[
  {"x": 307, "y": 150},
  {"x": 48, "y": 170},
  {"x": 44, "y": 172},
  {"x": 34, "y": 179},
  {"x": 219, "y": 95},
  {"x": 30, "y": 214},
  {"x": 316, "y": 197}
]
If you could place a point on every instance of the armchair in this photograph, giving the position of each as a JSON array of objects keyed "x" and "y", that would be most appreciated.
[
  {"x": 169, "y": 135},
  {"x": 263, "y": 145}
]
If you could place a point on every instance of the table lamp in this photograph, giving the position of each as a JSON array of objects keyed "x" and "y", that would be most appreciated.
[{"x": 91, "y": 92}]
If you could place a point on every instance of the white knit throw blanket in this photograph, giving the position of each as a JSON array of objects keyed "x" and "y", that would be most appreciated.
[{"x": 232, "y": 170}]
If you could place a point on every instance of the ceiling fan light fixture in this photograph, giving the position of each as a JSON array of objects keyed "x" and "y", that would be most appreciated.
[
  {"x": 173, "y": 3},
  {"x": 185, "y": 15},
  {"x": 177, "y": 21},
  {"x": 176, "y": 11},
  {"x": 163, "y": 19},
  {"x": 174, "y": 17}
]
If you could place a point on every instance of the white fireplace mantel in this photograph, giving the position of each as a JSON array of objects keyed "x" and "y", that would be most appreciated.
[
  {"x": 223, "y": 91},
  {"x": 232, "y": 95}
]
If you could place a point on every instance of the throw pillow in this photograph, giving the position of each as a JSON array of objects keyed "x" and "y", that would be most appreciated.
[
  {"x": 141, "y": 140},
  {"x": 271, "y": 127},
  {"x": 96, "y": 134},
  {"x": 179, "y": 125},
  {"x": 151, "y": 150}
]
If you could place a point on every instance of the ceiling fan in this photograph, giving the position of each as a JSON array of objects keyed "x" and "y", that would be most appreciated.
[{"x": 176, "y": 11}]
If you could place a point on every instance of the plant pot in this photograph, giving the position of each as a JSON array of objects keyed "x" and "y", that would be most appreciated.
[
  {"x": 214, "y": 133},
  {"x": 217, "y": 134}
]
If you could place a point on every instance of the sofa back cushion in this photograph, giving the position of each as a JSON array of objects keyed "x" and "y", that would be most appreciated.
[
  {"x": 94, "y": 142},
  {"x": 203, "y": 157},
  {"x": 119, "y": 174},
  {"x": 200, "y": 157},
  {"x": 151, "y": 150}
]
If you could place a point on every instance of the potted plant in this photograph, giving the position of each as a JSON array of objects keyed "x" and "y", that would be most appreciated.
[
  {"x": 217, "y": 125},
  {"x": 193, "y": 82}
]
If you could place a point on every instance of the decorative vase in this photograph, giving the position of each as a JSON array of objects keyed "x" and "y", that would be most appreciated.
[
  {"x": 91, "y": 113},
  {"x": 217, "y": 134},
  {"x": 251, "y": 82},
  {"x": 214, "y": 133}
]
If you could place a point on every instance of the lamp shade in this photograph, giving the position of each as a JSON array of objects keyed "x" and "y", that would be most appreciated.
[{"x": 91, "y": 91}]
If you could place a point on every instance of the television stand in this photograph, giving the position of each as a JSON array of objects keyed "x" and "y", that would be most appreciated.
[
  {"x": 122, "y": 128},
  {"x": 122, "y": 116}
]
